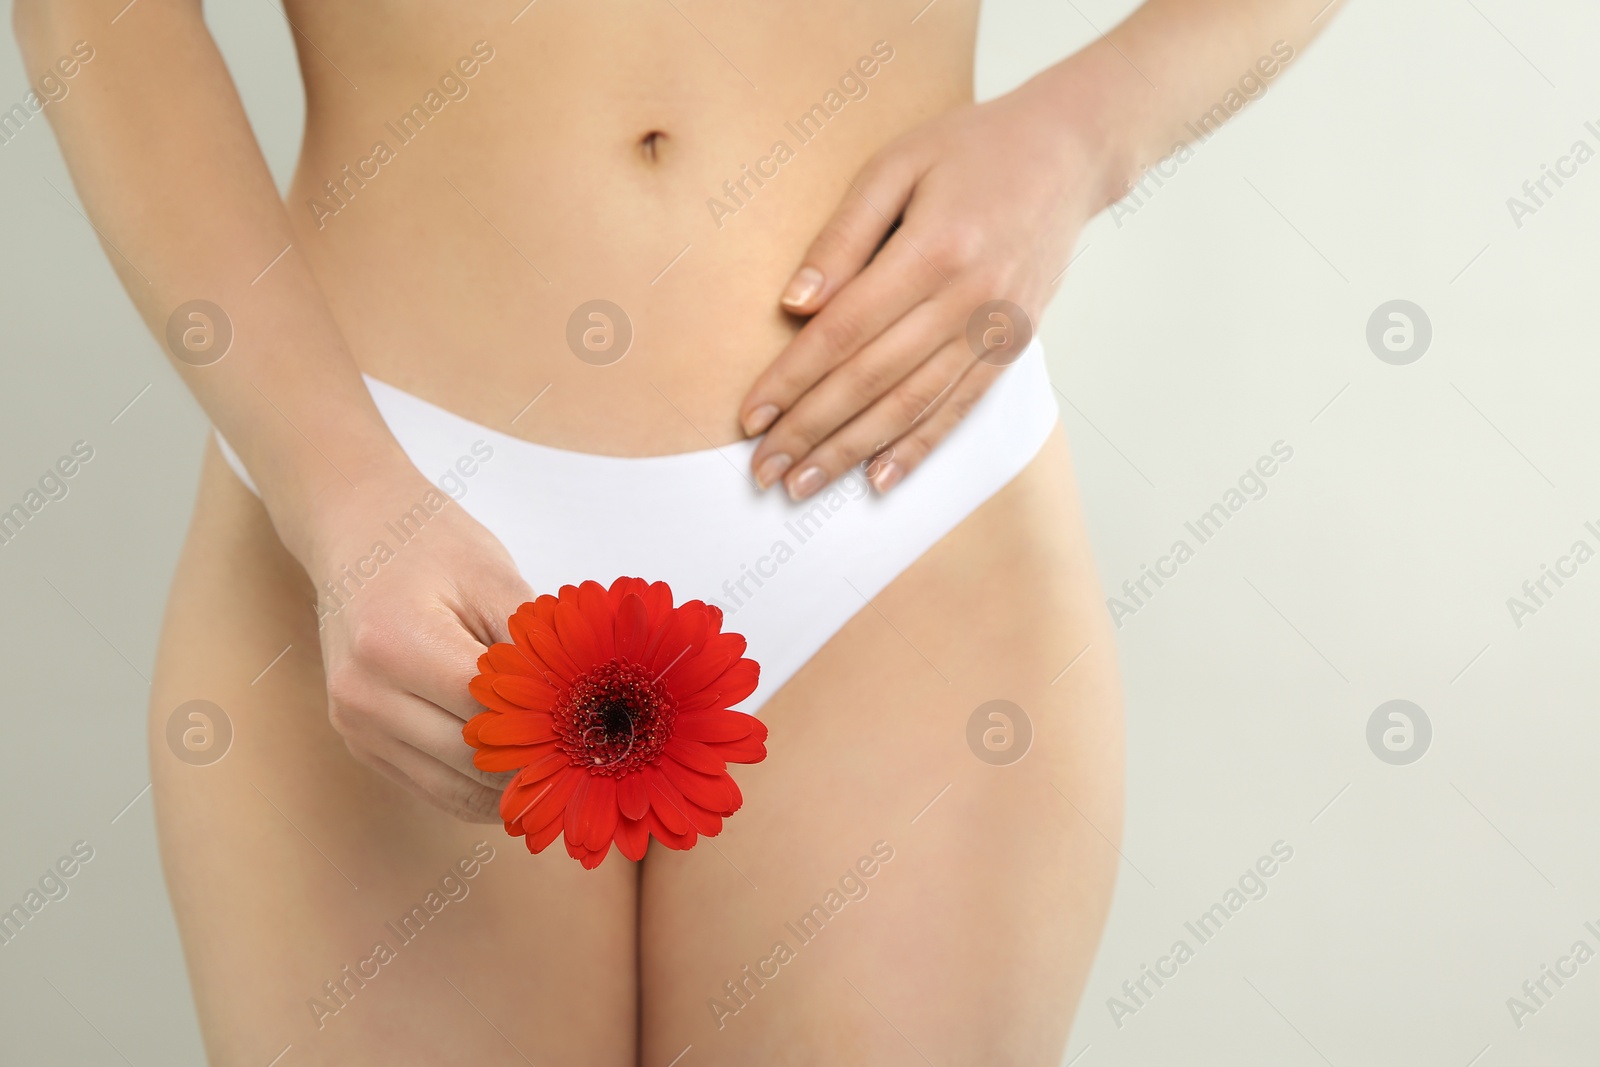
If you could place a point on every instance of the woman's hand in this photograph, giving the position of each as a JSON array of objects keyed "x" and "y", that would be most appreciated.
[
  {"x": 991, "y": 199},
  {"x": 399, "y": 648}
]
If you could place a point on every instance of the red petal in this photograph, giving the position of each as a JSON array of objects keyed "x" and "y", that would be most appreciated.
[
  {"x": 590, "y": 860},
  {"x": 551, "y": 760},
  {"x": 632, "y": 629},
  {"x": 700, "y": 821},
  {"x": 534, "y": 802},
  {"x": 682, "y": 842},
  {"x": 745, "y": 750},
  {"x": 602, "y": 811},
  {"x": 658, "y": 607},
  {"x": 544, "y": 610},
  {"x": 532, "y": 616},
  {"x": 633, "y": 838},
  {"x": 552, "y": 655},
  {"x": 551, "y": 807},
  {"x": 708, "y": 823},
  {"x": 469, "y": 732},
  {"x": 482, "y": 689},
  {"x": 736, "y": 683},
  {"x": 514, "y": 800},
  {"x": 495, "y": 758},
  {"x": 505, "y": 658},
  {"x": 519, "y": 624},
  {"x": 623, "y": 586},
  {"x": 540, "y": 840},
  {"x": 576, "y": 633},
  {"x": 694, "y": 673},
  {"x": 708, "y": 791},
  {"x": 602, "y": 620},
  {"x": 713, "y": 724},
  {"x": 529, "y": 728},
  {"x": 694, "y": 755},
  {"x": 633, "y": 799},
  {"x": 576, "y": 820},
  {"x": 524, "y": 692},
  {"x": 658, "y": 601},
  {"x": 714, "y": 615},
  {"x": 666, "y": 803},
  {"x": 682, "y": 638}
]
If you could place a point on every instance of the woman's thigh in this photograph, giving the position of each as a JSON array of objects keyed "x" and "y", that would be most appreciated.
[
  {"x": 895, "y": 890},
  {"x": 320, "y": 905}
]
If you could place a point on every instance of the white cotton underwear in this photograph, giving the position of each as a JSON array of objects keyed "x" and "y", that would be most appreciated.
[{"x": 786, "y": 575}]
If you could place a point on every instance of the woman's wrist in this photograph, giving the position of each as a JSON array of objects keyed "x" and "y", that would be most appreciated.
[
  {"x": 1103, "y": 112},
  {"x": 321, "y": 512}
]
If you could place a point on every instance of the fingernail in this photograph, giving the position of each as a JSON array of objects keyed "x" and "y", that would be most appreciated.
[
  {"x": 772, "y": 469},
  {"x": 806, "y": 482},
  {"x": 887, "y": 476},
  {"x": 760, "y": 419},
  {"x": 805, "y": 284}
]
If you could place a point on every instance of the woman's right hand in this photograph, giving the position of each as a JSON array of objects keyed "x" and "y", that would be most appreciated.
[{"x": 402, "y": 631}]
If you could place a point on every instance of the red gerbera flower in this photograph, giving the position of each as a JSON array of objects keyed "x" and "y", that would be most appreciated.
[{"x": 612, "y": 706}]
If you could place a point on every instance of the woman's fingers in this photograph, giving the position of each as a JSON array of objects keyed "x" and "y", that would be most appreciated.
[
  {"x": 874, "y": 300},
  {"x": 399, "y": 695},
  {"x": 434, "y": 658},
  {"x": 435, "y": 654},
  {"x": 400, "y": 656},
  {"x": 444, "y": 787},
  {"x": 855, "y": 230},
  {"x": 907, "y": 453},
  {"x": 435, "y": 732},
  {"x": 846, "y": 392},
  {"x": 895, "y": 434},
  {"x": 487, "y": 610},
  {"x": 856, "y": 302},
  {"x": 377, "y": 705}
]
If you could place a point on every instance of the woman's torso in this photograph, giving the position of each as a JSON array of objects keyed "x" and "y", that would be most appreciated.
[
  {"x": 527, "y": 185},
  {"x": 438, "y": 299}
]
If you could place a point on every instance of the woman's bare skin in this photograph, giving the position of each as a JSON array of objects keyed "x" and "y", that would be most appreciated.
[
  {"x": 578, "y": 160},
  {"x": 542, "y": 190},
  {"x": 974, "y": 940}
]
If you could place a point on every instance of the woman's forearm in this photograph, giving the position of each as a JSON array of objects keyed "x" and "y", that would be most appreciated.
[
  {"x": 169, "y": 172},
  {"x": 1172, "y": 73}
]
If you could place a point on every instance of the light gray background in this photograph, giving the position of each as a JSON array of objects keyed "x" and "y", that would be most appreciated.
[{"x": 1227, "y": 313}]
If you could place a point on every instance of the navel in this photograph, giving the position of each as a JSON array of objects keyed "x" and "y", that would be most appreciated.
[{"x": 651, "y": 144}]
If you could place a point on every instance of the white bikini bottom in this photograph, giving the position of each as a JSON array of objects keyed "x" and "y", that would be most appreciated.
[{"x": 786, "y": 575}]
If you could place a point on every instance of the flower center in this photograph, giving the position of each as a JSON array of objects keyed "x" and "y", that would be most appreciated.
[{"x": 614, "y": 718}]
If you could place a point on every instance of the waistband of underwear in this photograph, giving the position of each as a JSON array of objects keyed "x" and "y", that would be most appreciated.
[{"x": 1017, "y": 404}]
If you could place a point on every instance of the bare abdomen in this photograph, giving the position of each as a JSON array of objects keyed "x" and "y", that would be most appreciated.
[{"x": 460, "y": 207}]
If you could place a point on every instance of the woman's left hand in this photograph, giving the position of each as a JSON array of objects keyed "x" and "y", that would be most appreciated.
[{"x": 990, "y": 200}]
